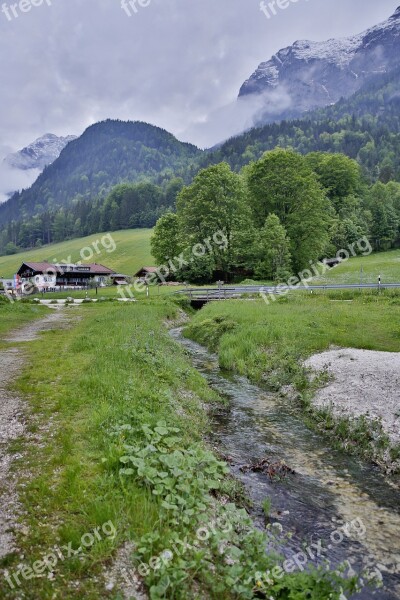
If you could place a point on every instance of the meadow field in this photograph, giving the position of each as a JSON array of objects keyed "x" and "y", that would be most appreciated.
[
  {"x": 116, "y": 424},
  {"x": 132, "y": 251},
  {"x": 366, "y": 269}
]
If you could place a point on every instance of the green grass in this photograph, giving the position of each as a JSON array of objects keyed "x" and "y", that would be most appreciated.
[
  {"x": 89, "y": 379},
  {"x": 116, "y": 378},
  {"x": 386, "y": 264},
  {"x": 252, "y": 337},
  {"x": 16, "y": 315},
  {"x": 269, "y": 343},
  {"x": 132, "y": 252}
]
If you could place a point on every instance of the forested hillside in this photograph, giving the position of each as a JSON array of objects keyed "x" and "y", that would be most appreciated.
[
  {"x": 365, "y": 127},
  {"x": 75, "y": 196},
  {"x": 108, "y": 153}
]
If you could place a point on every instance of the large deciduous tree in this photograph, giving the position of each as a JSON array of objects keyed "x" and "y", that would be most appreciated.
[
  {"x": 216, "y": 204},
  {"x": 282, "y": 182}
]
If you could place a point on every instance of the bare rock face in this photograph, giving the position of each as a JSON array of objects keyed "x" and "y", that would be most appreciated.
[{"x": 317, "y": 74}]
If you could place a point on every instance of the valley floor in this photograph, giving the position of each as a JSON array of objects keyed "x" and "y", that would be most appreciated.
[{"x": 106, "y": 465}]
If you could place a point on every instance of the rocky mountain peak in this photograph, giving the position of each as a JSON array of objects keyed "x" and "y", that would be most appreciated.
[
  {"x": 40, "y": 153},
  {"x": 316, "y": 74}
]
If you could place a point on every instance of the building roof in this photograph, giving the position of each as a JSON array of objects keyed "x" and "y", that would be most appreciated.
[
  {"x": 43, "y": 267},
  {"x": 147, "y": 270}
]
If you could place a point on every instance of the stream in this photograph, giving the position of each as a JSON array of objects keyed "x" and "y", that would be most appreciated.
[{"x": 336, "y": 507}]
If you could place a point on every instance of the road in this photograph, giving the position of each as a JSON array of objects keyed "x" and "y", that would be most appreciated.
[{"x": 229, "y": 292}]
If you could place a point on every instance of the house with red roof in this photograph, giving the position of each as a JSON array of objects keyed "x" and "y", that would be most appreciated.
[{"x": 47, "y": 276}]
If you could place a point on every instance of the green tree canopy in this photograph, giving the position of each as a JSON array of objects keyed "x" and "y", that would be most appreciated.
[
  {"x": 274, "y": 251},
  {"x": 215, "y": 203},
  {"x": 165, "y": 244},
  {"x": 282, "y": 182},
  {"x": 338, "y": 174}
]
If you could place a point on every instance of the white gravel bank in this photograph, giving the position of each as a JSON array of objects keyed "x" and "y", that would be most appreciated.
[{"x": 364, "y": 382}]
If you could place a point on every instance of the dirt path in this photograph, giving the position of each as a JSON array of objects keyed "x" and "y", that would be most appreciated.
[{"x": 13, "y": 419}]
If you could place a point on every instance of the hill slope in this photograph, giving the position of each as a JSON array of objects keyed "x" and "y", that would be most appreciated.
[
  {"x": 106, "y": 154},
  {"x": 132, "y": 251},
  {"x": 366, "y": 269}
]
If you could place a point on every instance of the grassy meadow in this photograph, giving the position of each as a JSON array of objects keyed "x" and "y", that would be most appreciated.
[
  {"x": 366, "y": 269},
  {"x": 260, "y": 340},
  {"x": 88, "y": 379},
  {"x": 132, "y": 252},
  {"x": 116, "y": 435}
]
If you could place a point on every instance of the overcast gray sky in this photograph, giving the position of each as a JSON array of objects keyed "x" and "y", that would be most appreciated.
[{"x": 175, "y": 63}]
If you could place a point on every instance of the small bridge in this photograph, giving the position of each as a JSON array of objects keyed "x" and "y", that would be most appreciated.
[{"x": 201, "y": 296}]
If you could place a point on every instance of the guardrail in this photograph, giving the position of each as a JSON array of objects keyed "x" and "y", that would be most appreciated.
[{"x": 229, "y": 292}]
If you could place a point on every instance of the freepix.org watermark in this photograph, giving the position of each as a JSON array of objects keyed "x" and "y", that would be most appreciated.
[
  {"x": 352, "y": 530},
  {"x": 208, "y": 246},
  {"x": 104, "y": 244},
  {"x": 12, "y": 11},
  {"x": 319, "y": 551},
  {"x": 178, "y": 549},
  {"x": 317, "y": 270},
  {"x": 57, "y": 554},
  {"x": 132, "y": 7},
  {"x": 270, "y": 9}
]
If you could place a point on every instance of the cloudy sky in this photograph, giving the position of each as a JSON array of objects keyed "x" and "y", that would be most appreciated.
[{"x": 178, "y": 64}]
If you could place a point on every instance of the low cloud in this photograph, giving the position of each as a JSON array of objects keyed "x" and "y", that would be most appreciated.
[
  {"x": 238, "y": 116},
  {"x": 12, "y": 180}
]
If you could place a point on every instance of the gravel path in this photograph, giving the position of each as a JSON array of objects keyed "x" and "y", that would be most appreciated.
[
  {"x": 365, "y": 382},
  {"x": 12, "y": 419},
  {"x": 11, "y": 427}
]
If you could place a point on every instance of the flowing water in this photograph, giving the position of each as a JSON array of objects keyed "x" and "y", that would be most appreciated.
[{"x": 336, "y": 506}]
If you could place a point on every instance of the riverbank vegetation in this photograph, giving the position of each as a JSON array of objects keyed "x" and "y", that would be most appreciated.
[
  {"x": 269, "y": 344},
  {"x": 117, "y": 425}
]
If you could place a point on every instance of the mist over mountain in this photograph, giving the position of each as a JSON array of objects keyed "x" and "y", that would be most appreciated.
[
  {"x": 365, "y": 127},
  {"x": 317, "y": 74},
  {"x": 20, "y": 169}
]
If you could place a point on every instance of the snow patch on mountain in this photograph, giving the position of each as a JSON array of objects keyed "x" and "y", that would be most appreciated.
[
  {"x": 315, "y": 74},
  {"x": 41, "y": 153},
  {"x": 20, "y": 169}
]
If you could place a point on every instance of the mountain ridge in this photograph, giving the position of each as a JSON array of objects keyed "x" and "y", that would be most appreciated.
[
  {"x": 107, "y": 153},
  {"x": 317, "y": 74}
]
